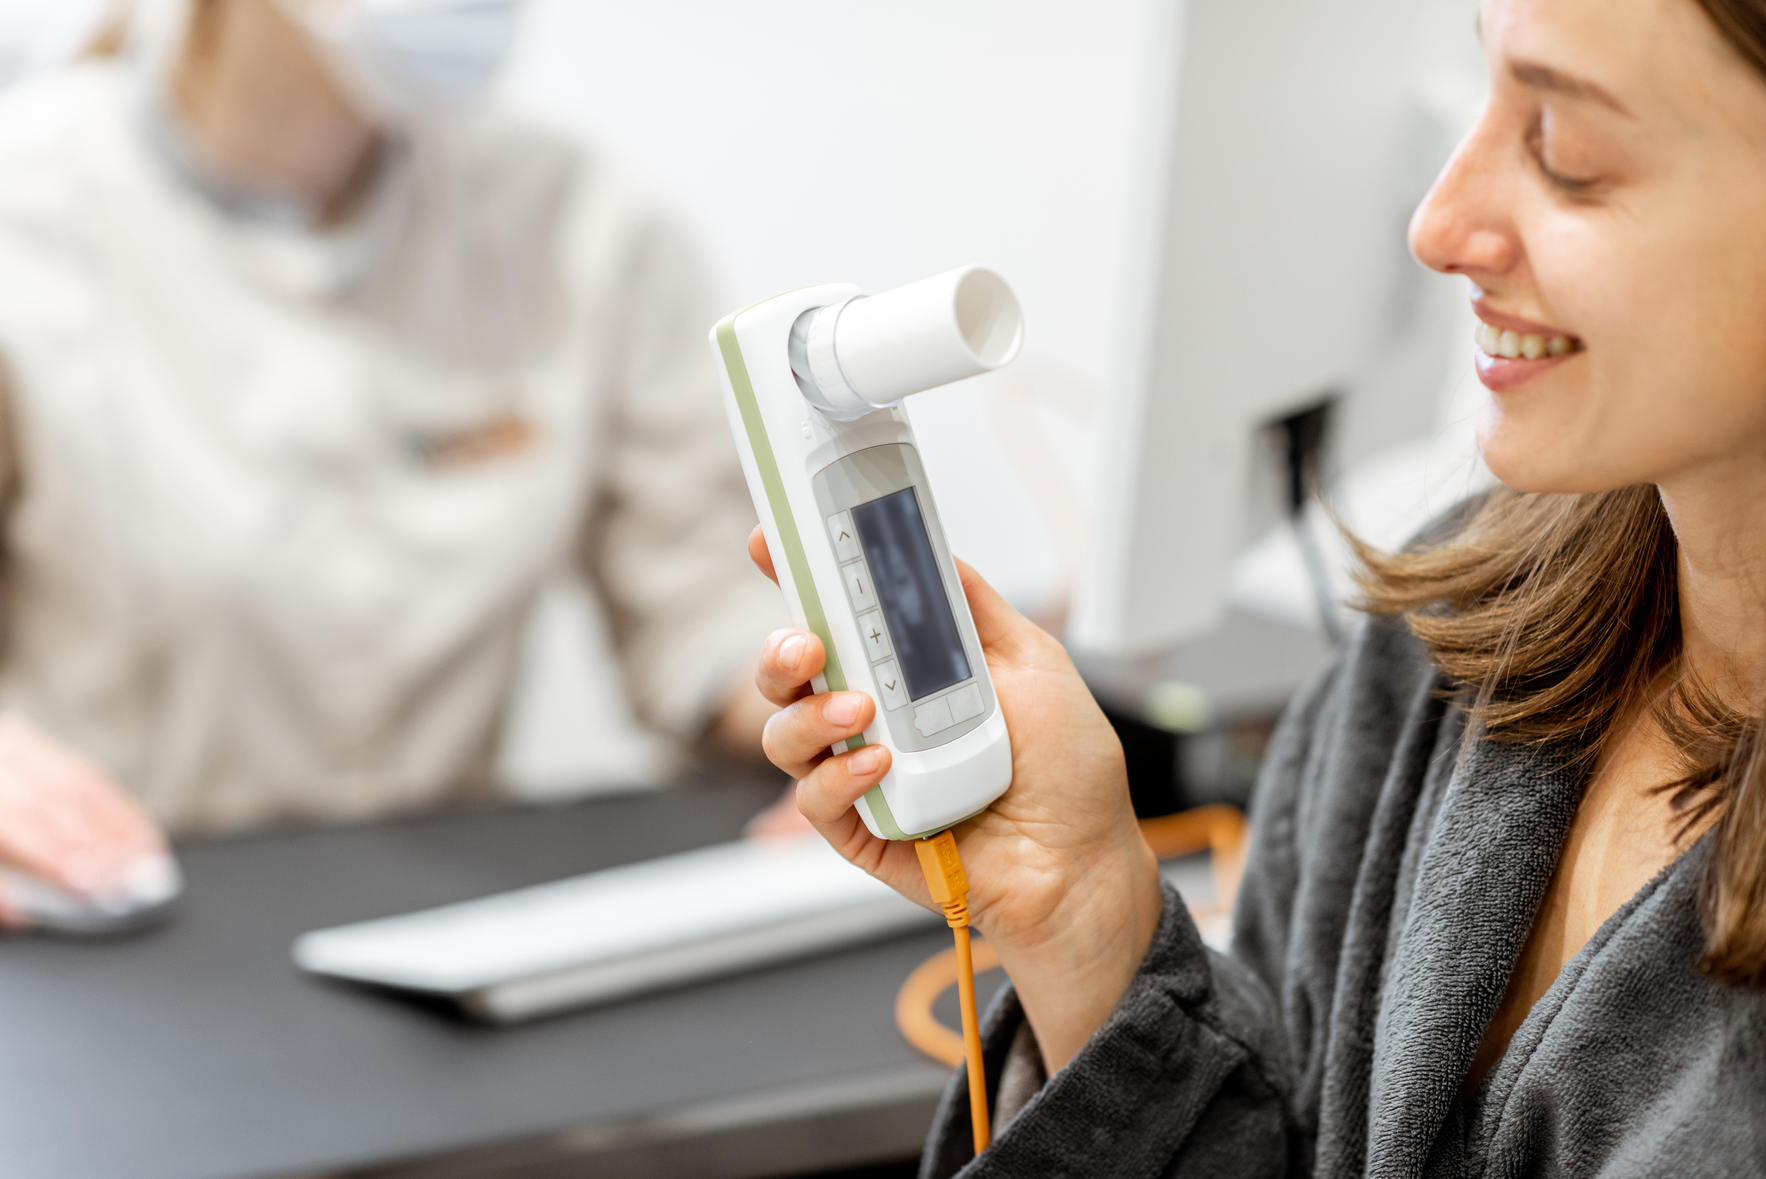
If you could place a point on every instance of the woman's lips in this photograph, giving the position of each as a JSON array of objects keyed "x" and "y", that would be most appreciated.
[
  {"x": 1512, "y": 351},
  {"x": 1501, "y": 374}
]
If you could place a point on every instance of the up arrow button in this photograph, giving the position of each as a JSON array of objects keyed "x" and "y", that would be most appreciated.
[{"x": 845, "y": 540}]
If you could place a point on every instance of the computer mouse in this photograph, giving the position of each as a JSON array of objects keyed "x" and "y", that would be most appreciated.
[{"x": 146, "y": 895}]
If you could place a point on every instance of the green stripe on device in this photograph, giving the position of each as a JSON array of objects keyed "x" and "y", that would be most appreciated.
[
  {"x": 797, "y": 563},
  {"x": 781, "y": 508}
]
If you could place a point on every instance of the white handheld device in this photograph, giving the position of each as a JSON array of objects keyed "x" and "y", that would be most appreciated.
[{"x": 812, "y": 380}]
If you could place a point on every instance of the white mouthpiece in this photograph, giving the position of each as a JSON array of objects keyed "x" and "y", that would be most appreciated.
[{"x": 866, "y": 354}]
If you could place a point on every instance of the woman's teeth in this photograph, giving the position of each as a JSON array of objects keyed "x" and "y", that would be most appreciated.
[{"x": 1514, "y": 346}]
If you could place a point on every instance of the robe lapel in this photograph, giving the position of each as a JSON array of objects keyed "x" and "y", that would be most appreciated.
[{"x": 1486, "y": 867}]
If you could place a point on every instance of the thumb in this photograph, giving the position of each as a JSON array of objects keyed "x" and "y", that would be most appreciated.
[{"x": 1003, "y": 631}]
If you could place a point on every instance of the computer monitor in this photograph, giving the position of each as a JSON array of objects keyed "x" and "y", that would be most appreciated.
[{"x": 1298, "y": 138}]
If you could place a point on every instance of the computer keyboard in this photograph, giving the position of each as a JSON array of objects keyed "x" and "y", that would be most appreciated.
[{"x": 620, "y": 931}]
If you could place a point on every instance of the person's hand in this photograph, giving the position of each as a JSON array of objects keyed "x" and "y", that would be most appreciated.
[
  {"x": 1060, "y": 880},
  {"x": 62, "y": 820}
]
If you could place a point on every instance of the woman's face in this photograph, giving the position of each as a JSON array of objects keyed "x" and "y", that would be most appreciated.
[{"x": 1611, "y": 196}]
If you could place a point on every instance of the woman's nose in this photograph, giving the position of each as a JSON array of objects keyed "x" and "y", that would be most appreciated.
[{"x": 1462, "y": 226}]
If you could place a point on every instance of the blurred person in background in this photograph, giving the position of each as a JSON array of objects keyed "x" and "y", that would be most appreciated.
[{"x": 311, "y": 372}]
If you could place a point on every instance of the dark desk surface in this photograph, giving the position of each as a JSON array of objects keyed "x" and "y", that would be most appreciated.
[{"x": 198, "y": 1050}]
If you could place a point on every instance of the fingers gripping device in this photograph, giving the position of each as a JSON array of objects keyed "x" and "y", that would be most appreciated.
[{"x": 812, "y": 382}]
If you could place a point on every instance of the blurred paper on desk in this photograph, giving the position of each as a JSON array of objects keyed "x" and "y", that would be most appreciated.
[{"x": 621, "y": 931}]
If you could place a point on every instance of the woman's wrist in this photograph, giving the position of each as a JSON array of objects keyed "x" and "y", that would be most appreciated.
[{"x": 1072, "y": 970}]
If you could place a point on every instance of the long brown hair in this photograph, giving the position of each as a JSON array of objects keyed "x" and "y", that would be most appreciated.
[{"x": 1561, "y": 614}]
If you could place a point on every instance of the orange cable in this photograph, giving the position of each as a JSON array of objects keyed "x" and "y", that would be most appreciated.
[
  {"x": 914, "y": 1003},
  {"x": 1218, "y": 829},
  {"x": 978, "y": 1115},
  {"x": 949, "y": 885}
]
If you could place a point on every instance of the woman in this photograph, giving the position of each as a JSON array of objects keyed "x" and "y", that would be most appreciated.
[
  {"x": 1505, "y": 910},
  {"x": 313, "y": 374}
]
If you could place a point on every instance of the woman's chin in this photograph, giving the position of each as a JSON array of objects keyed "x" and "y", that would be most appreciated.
[
  {"x": 1549, "y": 468},
  {"x": 1505, "y": 449},
  {"x": 1529, "y": 453},
  {"x": 1524, "y": 461}
]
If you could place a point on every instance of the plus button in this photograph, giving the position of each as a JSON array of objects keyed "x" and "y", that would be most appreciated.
[{"x": 870, "y": 625}]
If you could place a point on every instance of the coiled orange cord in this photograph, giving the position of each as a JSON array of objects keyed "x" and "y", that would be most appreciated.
[{"x": 943, "y": 869}]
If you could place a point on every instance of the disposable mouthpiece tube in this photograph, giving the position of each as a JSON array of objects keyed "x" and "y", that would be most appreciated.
[{"x": 868, "y": 353}]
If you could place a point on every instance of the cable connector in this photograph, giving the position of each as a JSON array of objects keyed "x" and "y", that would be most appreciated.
[
  {"x": 945, "y": 878},
  {"x": 949, "y": 886}
]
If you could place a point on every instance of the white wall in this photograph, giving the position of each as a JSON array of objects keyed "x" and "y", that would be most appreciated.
[
  {"x": 40, "y": 34},
  {"x": 805, "y": 141}
]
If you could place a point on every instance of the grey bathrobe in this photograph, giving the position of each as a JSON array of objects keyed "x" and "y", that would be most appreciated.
[{"x": 1390, "y": 888}]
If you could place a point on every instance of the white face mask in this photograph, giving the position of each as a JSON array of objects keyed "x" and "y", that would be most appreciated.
[{"x": 403, "y": 59}]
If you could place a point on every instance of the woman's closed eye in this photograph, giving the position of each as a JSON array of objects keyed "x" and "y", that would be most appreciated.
[{"x": 1572, "y": 182}]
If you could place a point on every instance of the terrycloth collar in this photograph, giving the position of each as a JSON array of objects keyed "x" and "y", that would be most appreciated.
[{"x": 1488, "y": 863}]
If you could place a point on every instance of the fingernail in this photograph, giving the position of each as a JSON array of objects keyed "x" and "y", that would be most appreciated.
[
  {"x": 865, "y": 761},
  {"x": 92, "y": 870},
  {"x": 842, "y": 709},
  {"x": 791, "y": 652}
]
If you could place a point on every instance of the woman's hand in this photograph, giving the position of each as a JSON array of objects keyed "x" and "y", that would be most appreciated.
[
  {"x": 1060, "y": 880},
  {"x": 63, "y": 821}
]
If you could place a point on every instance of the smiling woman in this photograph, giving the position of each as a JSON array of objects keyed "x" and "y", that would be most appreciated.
[
  {"x": 1560, "y": 601},
  {"x": 1505, "y": 906},
  {"x": 1606, "y": 601}
]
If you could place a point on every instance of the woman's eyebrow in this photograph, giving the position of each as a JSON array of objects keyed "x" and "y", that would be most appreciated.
[{"x": 1545, "y": 78}]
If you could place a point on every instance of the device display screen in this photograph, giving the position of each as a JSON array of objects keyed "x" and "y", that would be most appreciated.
[{"x": 892, "y": 534}]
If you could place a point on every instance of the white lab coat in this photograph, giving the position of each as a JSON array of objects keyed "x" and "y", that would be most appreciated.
[{"x": 278, "y": 502}]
